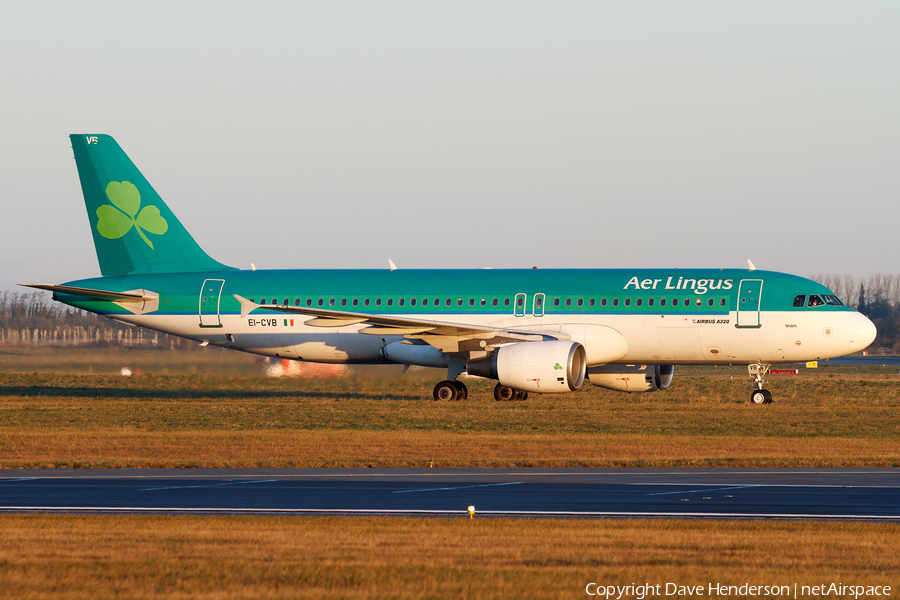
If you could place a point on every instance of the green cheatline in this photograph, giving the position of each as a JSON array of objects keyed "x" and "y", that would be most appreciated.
[{"x": 116, "y": 220}]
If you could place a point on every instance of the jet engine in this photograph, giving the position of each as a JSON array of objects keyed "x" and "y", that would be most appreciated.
[
  {"x": 632, "y": 378},
  {"x": 542, "y": 367}
]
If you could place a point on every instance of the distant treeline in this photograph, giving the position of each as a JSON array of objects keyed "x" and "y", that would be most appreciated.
[{"x": 33, "y": 318}]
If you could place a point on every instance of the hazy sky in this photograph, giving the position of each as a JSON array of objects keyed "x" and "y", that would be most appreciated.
[{"x": 464, "y": 134}]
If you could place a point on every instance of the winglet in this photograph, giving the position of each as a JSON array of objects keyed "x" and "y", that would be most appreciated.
[
  {"x": 247, "y": 307},
  {"x": 750, "y": 265},
  {"x": 392, "y": 265}
]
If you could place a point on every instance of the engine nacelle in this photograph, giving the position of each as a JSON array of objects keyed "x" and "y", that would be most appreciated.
[
  {"x": 542, "y": 367},
  {"x": 632, "y": 378}
]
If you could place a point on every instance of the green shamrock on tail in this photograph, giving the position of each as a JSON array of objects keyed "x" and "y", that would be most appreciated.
[{"x": 115, "y": 221}]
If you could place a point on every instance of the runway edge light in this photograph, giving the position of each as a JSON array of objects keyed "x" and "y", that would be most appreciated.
[{"x": 471, "y": 512}]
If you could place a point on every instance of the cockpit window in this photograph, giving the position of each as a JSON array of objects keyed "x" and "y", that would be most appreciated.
[
  {"x": 815, "y": 300},
  {"x": 831, "y": 300},
  {"x": 800, "y": 301}
]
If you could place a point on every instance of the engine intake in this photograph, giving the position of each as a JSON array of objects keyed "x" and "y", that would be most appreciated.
[
  {"x": 542, "y": 367},
  {"x": 632, "y": 378}
]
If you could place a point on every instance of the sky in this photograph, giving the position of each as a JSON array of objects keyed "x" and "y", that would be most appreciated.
[{"x": 464, "y": 134}]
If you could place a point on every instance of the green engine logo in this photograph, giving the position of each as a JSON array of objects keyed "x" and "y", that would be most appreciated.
[
  {"x": 557, "y": 367},
  {"x": 117, "y": 219}
]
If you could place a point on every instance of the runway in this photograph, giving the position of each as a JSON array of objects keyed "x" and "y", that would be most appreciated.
[{"x": 870, "y": 494}]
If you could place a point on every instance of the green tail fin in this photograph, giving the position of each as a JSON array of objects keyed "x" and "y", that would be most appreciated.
[{"x": 134, "y": 231}]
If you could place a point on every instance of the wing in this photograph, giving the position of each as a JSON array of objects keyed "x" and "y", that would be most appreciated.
[{"x": 447, "y": 337}]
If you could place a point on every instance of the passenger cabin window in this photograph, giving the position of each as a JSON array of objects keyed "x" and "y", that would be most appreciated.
[
  {"x": 321, "y": 302},
  {"x": 377, "y": 301},
  {"x": 627, "y": 301},
  {"x": 637, "y": 302},
  {"x": 424, "y": 301},
  {"x": 568, "y": 302},
  {"x": 556, "y": 302},
  {"x": 709, "y": 302},
  {"x": 449, "y": 301},
  {"x": 286, "y": 302},
  {"x": 591, "y": 302},
  {"x": 400, "y": 302},
  {"x": 615, "y": 301},
  {"x": 494, "y": 302},
  {"x": 356, "y": 302},
  {"x": 649, "y": 301},
  {"x": 390, "y": 301},
  {"x": 662, "y": 301},
  {"x": 506, "y": 302},
  {"x": 412, "y": 301},
  {"x": 814, "y": 300},
  {"x": 799, "y": 301},
  {"x": 471, "y": 301},
  {"x": 722, "y": 302},
  {"x": 343, "y": 302},
  {"x": 603, "y": 302},
  {"x": 331, "y": 302},
  {"x": 366, "y": 302},
  {"x": 459, "y": 301},
  {"x": 309, "y": 301},
  {"x": 484, "y": 301},
  {"x": 520, "y": 301},
  {"x": 580, "y": 302},
  {"x": 297, "y": 302}
]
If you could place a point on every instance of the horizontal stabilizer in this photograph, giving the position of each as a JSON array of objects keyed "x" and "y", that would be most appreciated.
[{"x": 134, "y": 296}]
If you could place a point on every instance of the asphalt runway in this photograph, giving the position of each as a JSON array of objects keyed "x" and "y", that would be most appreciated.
[{"x": 871, "y": 494}]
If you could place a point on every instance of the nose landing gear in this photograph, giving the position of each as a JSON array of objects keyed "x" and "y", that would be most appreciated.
[{"x": 759, "y": 395}]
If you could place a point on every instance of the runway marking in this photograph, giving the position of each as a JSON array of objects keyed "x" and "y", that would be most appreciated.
[
  {"x": 738, "y": 487},
  {"x": 208, "y": 485},
  {"x": 20, "y": 479},
  {"x": 461, "y": 487},
  {"x": 461, "y": 513}
]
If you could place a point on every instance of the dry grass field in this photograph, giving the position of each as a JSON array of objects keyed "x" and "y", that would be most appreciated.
[
  {"x": 65, "y": 408},
  {"x": 283, "y": 557},
  {"x": 215, "y": 409}
]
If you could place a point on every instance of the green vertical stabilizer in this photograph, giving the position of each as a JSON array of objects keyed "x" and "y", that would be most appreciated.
[{"x": 134, "y": 231}]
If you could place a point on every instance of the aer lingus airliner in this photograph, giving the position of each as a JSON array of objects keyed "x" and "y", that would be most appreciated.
[{"x": 532, "y": 330}]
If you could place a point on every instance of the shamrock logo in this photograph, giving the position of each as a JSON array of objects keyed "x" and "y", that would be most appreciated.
[
  {"x": 116, "y": 220},
  {"x": 557, "y": 367}
]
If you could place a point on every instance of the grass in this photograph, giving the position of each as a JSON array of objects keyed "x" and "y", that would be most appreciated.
[
  {"x": 182, "y": 411},
  {"x": 49, "y": 556}
]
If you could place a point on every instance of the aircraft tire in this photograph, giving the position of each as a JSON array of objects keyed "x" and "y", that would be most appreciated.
[
  {"x": 521, "y": 396},
  {"x": 462, "y": 391},
  {"x": 504, "y": 393},
  {"x": 445, "y": 390},
  {"x": 768, "y": 396},
  {"x": 760, "y": 397}
]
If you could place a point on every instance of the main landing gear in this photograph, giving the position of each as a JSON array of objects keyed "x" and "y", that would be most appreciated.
[
  {"x": 504, "y": 393},
  {"x": 759, "y": 395},
  {"x": 450, "y": 390}
]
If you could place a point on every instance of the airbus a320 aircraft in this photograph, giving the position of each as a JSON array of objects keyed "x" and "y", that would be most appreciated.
[{"x": 532, "y": 330}]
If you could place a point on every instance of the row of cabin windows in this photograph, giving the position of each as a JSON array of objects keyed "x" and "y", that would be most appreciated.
[{"x": 520, "y": 302}]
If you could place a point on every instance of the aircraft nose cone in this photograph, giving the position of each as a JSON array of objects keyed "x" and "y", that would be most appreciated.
[{"x": 862, "y": 332}]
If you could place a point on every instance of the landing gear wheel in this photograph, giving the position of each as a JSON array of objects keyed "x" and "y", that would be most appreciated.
[
  {"x": 521, "y": 396},
  {"x": 761, "y": 397},
  {"x": 463, "y": 391},
  {"x": 503, "y": 393},
  {"x": 445, "y": 390}
]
